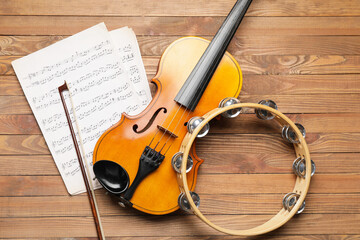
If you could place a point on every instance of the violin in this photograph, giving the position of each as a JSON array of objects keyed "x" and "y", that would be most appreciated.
[{"x": 137, "y": 159}]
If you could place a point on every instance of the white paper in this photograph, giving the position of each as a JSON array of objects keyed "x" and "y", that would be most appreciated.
[
  {"x": 127, "y": 45},
  {"x": 91, "y": 66}
]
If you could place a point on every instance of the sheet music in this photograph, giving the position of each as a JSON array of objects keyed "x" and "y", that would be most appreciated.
[
  {"x": 98, "y": 83},
  {"x": 125, "y": 41}
]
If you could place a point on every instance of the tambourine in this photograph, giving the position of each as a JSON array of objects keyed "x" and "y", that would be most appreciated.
[{"x": 293, "y": 202}]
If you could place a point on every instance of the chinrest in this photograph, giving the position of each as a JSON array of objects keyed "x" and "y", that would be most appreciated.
[{"x": 111, "y": 176}]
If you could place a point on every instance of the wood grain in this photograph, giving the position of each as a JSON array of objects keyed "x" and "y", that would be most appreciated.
[
  {"x": 22, "y": 144},
  {"x": 21, "y": 165},
  {"x": 247, "y": 123},
  {"x": 236, "y": 143},
  {"x": 185, "y": 8},
  {"x": 300, "y": 64},
  {"x": 9, "y": 85},
  {"x": 240, "y": 45},
  {"x": 222, "y": 237},
  {"x": 248, "y": 163},
  {"x": 18, "y": 124},
  {"x": 180, "y": 26},
  {"x": 320, "y": 103},
  {"x": 72, "y": 206},
  {"x": 302, "y": 54},
  {"x": 260, "y": 143},
  {"x": 184, "y": 226},
  {"x": 313, "y": 123},
  {"x": 225, "y": 184},
  {"x": 213, "y": 237},
  {"x": 274, "y": 65},
  {"x": 256, "y": 84},
  {"x": 300, "y": 84}
]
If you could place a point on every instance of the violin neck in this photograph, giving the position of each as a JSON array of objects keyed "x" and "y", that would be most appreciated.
[{"x": 195, "y": 85}]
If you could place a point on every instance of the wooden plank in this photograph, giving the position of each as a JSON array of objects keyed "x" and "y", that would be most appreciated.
[
  {"x": 246, "y": 123},
  {"x": 24, "y": 45},
  {"x": 266, "y": 143},
  {"x": 222, "y": 237},
  {"x": 256, "y": 84},
  {"x": 262, "y": 45},
  {"x": 300, "y": 84},
  {"x": 9, "y": 85},
  {"x": 271, "y": 203},
  {"x": 225, "y": 184},
  {"x": 32, "y": 186},
  {"x": 327, "y": 163},
  {"x": 213, "y": 143},
  {"x": 27, "y": 165},
  {"x": 14, "y": 105},
  {"x": 250, "y": 163},
  {"x": 18, "y": 124},
  {"x": 241, "y": 45},
  {"x": 273, "y": 183},
  {"x": 5, "y": 65},
  {"x": 184, "y": 8},
  {"x": 67, "y": 206},
  {"x": 273, "y": 65},
  {"x": 180, "y": 26},
  {"x": 313, "y": 123},
  {"x": 300, "y": 54},
  {"x": 180, "y": 226},
  {"x": 300, "y": 64},
  {"x": 319, "y": 103},
  {"x": 22, "y": 144}
]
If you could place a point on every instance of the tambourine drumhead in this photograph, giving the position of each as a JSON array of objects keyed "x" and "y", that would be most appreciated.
[{"x": 228, "y": 223}]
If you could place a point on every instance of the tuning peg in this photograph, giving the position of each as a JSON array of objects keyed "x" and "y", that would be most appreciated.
[
  {"x": 263, "y": 114},
  {"x": 227, "y": 102},
  {"x": 194, "y": 123}
]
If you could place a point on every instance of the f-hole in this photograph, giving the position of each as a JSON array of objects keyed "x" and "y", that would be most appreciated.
[{"x": 135, "y": 127}]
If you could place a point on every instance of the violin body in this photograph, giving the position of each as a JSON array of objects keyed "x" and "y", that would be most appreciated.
[{"x": 162, "y": 125}]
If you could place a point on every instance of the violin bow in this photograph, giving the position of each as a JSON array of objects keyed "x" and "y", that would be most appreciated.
[{"x": 89, "y": 189}]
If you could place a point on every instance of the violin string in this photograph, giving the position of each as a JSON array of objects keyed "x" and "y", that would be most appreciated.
[
  {"x": 169, "y": 137},
  {"x": 185, "y": 110},
  {"x": 155, "y": 135},
  {"x": 166, "y": 129},
  {"x": 173, "y": 131},
  {"x": 174, "y": 139},
  {"x": 158, "y": 130}
]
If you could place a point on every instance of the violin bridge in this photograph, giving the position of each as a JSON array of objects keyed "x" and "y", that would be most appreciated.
[{"x": 167, "y": 131}]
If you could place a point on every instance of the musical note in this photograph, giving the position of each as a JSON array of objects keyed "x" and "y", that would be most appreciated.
[
  {"x": 96, "y": 78},
  {"x": 126, "y": 43},
  {"x": 127, "y": 48},
  {"x": 102, "y": 79}
]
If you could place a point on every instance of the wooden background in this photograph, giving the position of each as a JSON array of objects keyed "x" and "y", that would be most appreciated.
[{"x": 305, "y": 55}]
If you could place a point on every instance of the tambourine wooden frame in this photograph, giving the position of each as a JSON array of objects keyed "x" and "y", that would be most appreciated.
[{"x": 301, "y": 184}]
